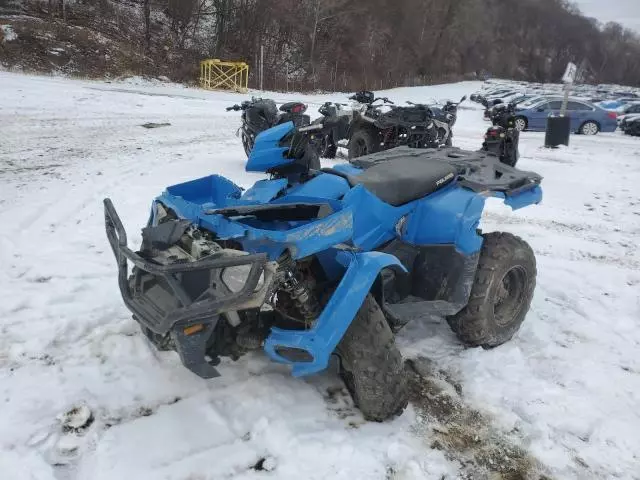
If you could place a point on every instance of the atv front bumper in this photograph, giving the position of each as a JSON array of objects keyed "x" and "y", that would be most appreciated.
[{"x": 161, "y": 300}]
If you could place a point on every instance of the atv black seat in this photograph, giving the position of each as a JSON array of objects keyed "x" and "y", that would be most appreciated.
[{"x": 403, "y": 180}]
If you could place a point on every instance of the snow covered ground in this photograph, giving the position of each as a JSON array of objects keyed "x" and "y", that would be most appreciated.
[{"x": 561, "y": 398}]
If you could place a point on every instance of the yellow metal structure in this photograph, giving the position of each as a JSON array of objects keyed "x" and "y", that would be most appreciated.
[{"x": 218, "y": 75}]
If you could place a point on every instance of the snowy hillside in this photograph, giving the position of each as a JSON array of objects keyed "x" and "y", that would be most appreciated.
[{"x": 558, "y": 401}]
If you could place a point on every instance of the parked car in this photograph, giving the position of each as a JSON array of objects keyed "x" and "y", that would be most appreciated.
[
  {"x": 629, "y": 123},
  {"x": 501, "y": 97},
  {"x": 480, "y": 97},
  {"x": 517, "y": 100},
  {"x": 617, "y": 104},
  {"x": 586, "y": 118},
  {"x": 632, "y": 125},
  {"x": 630, "y": 109}
]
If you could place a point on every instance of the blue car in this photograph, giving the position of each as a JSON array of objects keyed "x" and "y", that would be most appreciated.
[
  {"x": 309, "y": 264},
  {"x": 586, "y": 118}
]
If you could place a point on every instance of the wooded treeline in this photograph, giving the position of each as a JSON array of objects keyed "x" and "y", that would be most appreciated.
[{"x": 353, "y": 44}]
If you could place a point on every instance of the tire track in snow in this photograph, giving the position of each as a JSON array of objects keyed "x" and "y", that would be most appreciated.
[{"x": 465, "y": 435}]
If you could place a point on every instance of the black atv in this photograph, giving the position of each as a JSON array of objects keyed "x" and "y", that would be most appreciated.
[
  {"x": 503, "y": 137},
  {"x": 444, "y": 118},
  {"x": 376, "y": 130},
  {"x": 342, "y": 119},
  {"x": 259, "y": 114}
]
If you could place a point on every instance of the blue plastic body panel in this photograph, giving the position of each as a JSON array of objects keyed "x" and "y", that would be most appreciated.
[
  {"x": 266, "y": 153},
  {"x": 323, "y": 186},
  {"x": 213, "y": 191},
  {"x": 524, "y": 199},
  {"x": 263, "y": 191},
  {"x": 450, "y": 216},
  {"x": 321, "y": 340}
]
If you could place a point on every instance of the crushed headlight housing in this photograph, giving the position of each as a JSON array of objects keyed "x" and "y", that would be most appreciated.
[{"x": 235, "y": 278}]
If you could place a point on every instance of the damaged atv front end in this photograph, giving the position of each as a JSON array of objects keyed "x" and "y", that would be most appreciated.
[{"x": 182, "y": 282}]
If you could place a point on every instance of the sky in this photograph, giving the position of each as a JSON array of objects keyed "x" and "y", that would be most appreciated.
[{"x": 625, "y": 12}]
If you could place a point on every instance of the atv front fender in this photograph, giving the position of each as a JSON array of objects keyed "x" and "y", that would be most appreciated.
[{"x": 309, "y": 351}]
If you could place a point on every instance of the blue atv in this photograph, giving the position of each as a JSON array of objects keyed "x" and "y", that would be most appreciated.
[{"x": 311, "y": 263}]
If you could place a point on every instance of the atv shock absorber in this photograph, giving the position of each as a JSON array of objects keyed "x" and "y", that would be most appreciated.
[{"x": 302, "y": 299}]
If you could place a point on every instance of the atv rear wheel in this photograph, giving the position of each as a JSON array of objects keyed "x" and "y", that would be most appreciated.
[
  {"x": 364, "y": 141},
  {"x": 371, "y": 365},
  {"x": 501, "y": 293},
  {"x": 511, "y": 154}
]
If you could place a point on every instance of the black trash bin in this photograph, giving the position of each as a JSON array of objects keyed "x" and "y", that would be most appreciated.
[{"x": 558, "y": 131}]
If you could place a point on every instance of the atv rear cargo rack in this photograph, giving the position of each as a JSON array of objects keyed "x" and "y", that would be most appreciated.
[{"x": 478, "y": 171}]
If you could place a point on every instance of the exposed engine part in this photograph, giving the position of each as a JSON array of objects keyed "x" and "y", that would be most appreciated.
[
  {"x": 233, "y": 318},
  {"x": 250, "y": 339}
]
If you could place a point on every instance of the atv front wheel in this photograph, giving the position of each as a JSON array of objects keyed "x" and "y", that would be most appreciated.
[
  {"x": 371, "y": 365},
  {"x": 327, "y": 148},
  {"x": 364, "y": 141},
  {"x": 247, "y": 143},
  {"x": 501, "y": 293}
]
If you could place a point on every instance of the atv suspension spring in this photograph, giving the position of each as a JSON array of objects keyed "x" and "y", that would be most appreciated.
[{"x": 303, "y": 300}]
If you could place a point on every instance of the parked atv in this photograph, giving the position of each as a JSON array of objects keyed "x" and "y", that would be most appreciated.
[
  {"x": 310, "y": 264},
  {"x": 444, "y": 118},
  {"x": 260, "y": 114},
  {"x": 503, "y": 138},
  {"x": 341, "y": 119},
  {"x": 379, "y": 129}
]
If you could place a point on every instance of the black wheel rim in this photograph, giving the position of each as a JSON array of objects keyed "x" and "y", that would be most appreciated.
[
  {"x": 360, "y": 148},
  {"x": 510, "y": 296}
]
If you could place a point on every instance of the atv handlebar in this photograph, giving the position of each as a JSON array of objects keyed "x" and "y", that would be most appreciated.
[{"x": 384, "y": 100}]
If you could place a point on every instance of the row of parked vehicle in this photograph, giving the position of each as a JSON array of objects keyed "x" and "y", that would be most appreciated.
[
  {"x": 371, "y": 124},
  {"x": 531, "y": 108},
  {"x": 368, "y": 124}
]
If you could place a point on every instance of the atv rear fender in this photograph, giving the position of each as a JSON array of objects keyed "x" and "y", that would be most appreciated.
[{"x": 309, "y": 351}]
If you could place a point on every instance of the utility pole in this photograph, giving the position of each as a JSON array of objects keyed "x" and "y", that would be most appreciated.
[
  {"x": 261, "y": 66},
  {"x": 568, "y": 79}
]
